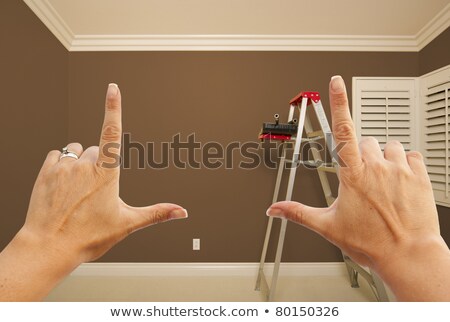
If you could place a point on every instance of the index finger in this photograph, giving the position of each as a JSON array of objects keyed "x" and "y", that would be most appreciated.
[
  {"x": 343, "y": 128},
  {"x": 110, "y": 139}
]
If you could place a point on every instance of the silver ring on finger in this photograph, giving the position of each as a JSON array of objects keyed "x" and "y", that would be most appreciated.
[{"x": 65, "y": 153}]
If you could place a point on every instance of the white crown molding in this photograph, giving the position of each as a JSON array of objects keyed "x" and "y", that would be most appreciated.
[
  {"x": 414, "y": 43},
  {"x": 433, "y": 28},
  {"x": 207, "y": 269},
  {"x": 241, "y": 43},
  {"x": 52, "y": 20}
]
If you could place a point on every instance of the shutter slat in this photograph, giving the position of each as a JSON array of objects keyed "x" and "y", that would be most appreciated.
[
  {"x": 372, "y": 132},
  {"x": 384, "y": 94},
  {"x": 435, "y": 161},
  {"x": 435, "y": 113},
  {"x": 435, "y": 121},
  {"x": 435, "y": 129},
  {"x": 399, "y": 102},
  {"x": 375, "y": 124},
  {"x": 378, "y": 131},
  {"x": 437, "y": 96},
  {"x": 401, "y": 138},
  {"x": 373, "y": 101},
  {"x": 434, "y": 154},
  {"x": 436, "y": 169},
  {"x": 400, "y": 109},
  {"x": 373, "y": 117},
  {"x": 438, "y": 186},
  {"x": 373, "y": 109},
  {"x": 435, "y": 146},
  {"x": 438, "y": 89},
  {"x": 399, "y": 117},
  {"x": 399, "y": 124},
  {"x": 439, "y": 178},
  {"x": 435, "y": 137},
  {"x": 435, "y": 105}
]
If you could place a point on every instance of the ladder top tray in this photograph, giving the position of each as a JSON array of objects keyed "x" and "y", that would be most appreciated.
[{"x": 314, "y": 96}]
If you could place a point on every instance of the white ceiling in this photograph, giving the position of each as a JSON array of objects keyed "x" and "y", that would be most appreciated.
[
  {"x": 109, "y": 22},
  {"x": 248, "y": 17}
]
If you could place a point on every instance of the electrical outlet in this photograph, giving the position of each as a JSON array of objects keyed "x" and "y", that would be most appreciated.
[{"x": 196, "y": 244}]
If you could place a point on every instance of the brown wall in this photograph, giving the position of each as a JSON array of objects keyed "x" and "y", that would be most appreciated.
[
  {"x": 436, "y": 54},
  {"x": 33, "y": 88},
  {"x": 219, "y": 96},
  {"x": 51, "y": 97}
]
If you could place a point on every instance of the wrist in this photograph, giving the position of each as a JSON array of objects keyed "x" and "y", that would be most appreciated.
[
  {"x": 31, "y": 267},
  {"x": 48, "y": 253},
  {"x": 407, "y": 251},
  {"x": 411, "y": 263}
]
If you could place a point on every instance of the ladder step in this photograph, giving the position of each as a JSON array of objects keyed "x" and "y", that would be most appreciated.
[
  {"x": 307, "y": 163},
  {"x": 327, "y": 169},
  {"x": 330, "y": 199},
  {"x": 315, "y": 134},
  {"x": 293, "y": 138},
  {"x": 312, "y": 139}
]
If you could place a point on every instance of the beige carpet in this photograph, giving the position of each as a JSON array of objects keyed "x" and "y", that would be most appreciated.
[{"x": 206, "y": 289}]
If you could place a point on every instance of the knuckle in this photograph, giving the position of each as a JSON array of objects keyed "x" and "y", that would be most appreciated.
[
  {"x": 379, "y": 167},
  {"x": 296, "y": 215},
  {"x": 112, "y": 105},
  {"x": 45, "y": 176},
  {"x": 340, "y": 100},
  {"x": 368, "y": 141},
  {"x": 111, "y": 132},
  {"x": 81, "y": 167},
  {"x": 92, "y": 151},
  {"x": 159, "y": 216},
  {"x": 343, "y": 131},
  {"x": 53, "y": 153},
  {"x": 393, "y": 144},
  {"x": 404, "y": 172},
  {"x": 75, "y": 145},
  {"x": 353, "y": 177},
  {"x": 63, "y": 170},
  {"x": 426, "y": 182},
  {"x": 102, "y": 175},
  {"x": 293, "y": 214},
  {"x": 414, "y": 154}
]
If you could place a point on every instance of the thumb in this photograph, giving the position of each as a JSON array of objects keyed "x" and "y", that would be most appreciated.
[
  {"x": 141, "y": 217},
  {"x": 316, "y": 219}
]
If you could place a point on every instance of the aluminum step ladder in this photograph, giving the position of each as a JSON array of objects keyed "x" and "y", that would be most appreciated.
[{"x": 301, "y": 102}]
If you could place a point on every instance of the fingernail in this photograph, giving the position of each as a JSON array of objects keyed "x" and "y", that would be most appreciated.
[
  {"x": 113, "y": 89},
  {"x": 337, "y": 84},
  {"x": 178, "y": 213},
  {"x": 275, "y": 212}
]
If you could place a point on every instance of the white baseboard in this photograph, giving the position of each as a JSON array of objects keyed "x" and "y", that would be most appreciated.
[{"x": 207, "y": 269}]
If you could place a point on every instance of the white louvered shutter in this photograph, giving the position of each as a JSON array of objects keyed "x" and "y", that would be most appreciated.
[
  {"x": 386, "y": 109},
  {"x": 435, "y": 92}
]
